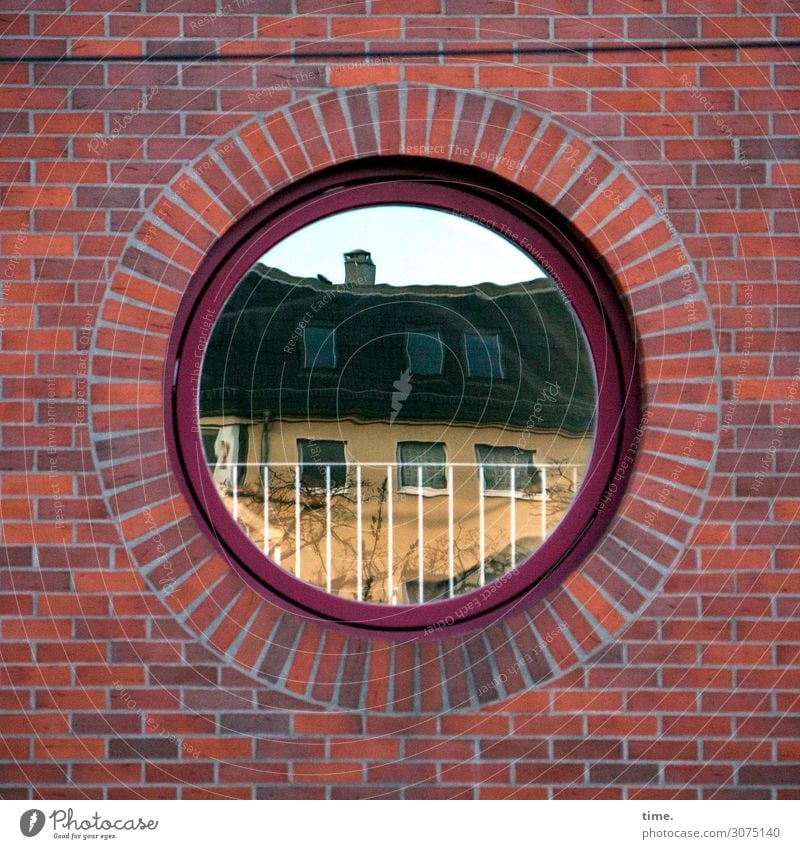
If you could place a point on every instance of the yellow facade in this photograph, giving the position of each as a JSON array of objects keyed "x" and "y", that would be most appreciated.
[{"x": 326, "y": 527}]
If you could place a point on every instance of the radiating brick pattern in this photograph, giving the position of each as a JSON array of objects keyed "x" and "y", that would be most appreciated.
[
  {"x": 134, "y": 661},
  {"x": 594, "y": 604}
]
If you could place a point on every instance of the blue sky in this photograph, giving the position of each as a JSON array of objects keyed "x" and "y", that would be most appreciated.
[{"x": 410, "y": 245}]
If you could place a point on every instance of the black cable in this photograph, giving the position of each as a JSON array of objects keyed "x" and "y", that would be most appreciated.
[{"x": 544, "y": 50}]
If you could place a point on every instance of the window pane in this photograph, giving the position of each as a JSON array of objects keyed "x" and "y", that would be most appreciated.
[
  {"x": 425, "y": 353},
  {"x": 496, "y": 464},
  {"x": 325, "y": 365},
  {"x": 209, "y": 436},
  {"x": 315, "y": 456},
  {"x": 483, "y": 355},
  {"x": 430, "y": 456},
  {"x": 319, "y": 346}
]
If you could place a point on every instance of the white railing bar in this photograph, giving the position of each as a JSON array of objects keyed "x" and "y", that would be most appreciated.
[
  {"x": 381, "y": 464},
  {"x": 421, "y": 558},
  {"x": 451, "y": 563},
  {"x": 390, "y": 536},
  {"x": 574, "y": 478},
  {"x": 266, "y": 510},
  {"x": 513, "y": 527},
  {"x": 544, "y": 504},
  {"x": 482, "y": 525},
  {"x": 297, "y": 521},
  {"x": 359, "y": 540},
  {"x": 328, "y": 530}
]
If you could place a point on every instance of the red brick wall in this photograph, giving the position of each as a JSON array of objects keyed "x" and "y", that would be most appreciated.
[{"x": 111, "y": 688}]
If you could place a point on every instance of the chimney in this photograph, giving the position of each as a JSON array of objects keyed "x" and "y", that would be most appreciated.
[{"x": 359, "y": 269}]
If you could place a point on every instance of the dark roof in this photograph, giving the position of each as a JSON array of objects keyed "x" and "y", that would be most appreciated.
[{"x": 255, "y": 357}]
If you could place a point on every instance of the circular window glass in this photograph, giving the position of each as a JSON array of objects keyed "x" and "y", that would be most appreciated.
[{"x": 397, "y": 397}]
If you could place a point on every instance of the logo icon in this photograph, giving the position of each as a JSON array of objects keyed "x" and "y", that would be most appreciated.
[
  {"x": 31, "y": 822},
  {"x": 403, "y": 387}
]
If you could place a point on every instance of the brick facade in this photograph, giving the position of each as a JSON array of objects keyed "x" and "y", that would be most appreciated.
[{"x": 135, "y": 663}]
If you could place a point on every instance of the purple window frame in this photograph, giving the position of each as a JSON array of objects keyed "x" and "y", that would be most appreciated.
[{"x": 509, "y": 211}]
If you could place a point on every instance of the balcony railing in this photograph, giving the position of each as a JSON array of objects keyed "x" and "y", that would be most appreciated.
[{"x": 350, "y": 533}]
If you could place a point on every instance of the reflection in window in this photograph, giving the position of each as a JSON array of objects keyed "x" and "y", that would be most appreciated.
[
  {"x": 416, "y": 463},
  {"x": 422, "y": 462},
  {"x": 425, "y": 352},
  {"x": 316, "y": 456},
  {"x": 483, "y": 355},
  {"x": 496, "y": 464},
  {"x": 320, "y": 351}
]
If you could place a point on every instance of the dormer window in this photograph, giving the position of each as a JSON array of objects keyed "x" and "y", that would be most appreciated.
[
  {"x": 422, "y": 466},
  {"x": 483, "y": 355},
  {"x": 425, "y": 352},
  {"x": 320, "y": 348}
]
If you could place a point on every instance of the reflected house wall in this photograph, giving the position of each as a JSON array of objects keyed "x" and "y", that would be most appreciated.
[{"x": 256, "y": 374}]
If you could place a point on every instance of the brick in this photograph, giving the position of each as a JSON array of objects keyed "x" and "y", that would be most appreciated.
[
  {"x": 327, "y": 772},
  {"x": 169, "y": 773},
  {"x": 475, "y": 725},
  {"x": 261, "y": 724},
  {"x": 492, "y": 7},
  {"x": 548, "y": 773},
  {"x": 374, "y": 26},
  {"x": 38, "y": 196},
  {"x": 622, "y": 773}
]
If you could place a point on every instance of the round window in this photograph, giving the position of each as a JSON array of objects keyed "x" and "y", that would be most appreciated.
[{"x": 402, "y": 398}]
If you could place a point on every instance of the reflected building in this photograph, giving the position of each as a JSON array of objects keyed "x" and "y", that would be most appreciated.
[{"x": 396, "y": 444}]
